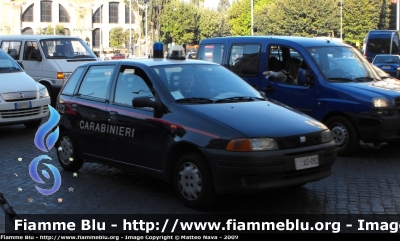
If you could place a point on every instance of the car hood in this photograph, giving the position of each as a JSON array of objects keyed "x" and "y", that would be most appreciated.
[
  {"x": 260, "y": 118},
  {"x": 69, "y": 65},
  {"x": 388, "y": 88},
  {"x": 17, "y": 81}
]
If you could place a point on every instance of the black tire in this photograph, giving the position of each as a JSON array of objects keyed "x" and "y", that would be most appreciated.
[
  {"x": 193, "y": 181},
  {"x": 344, "y": 134},
  {"x": 67, "y": 151},
  {"x": 33, "y": 124}
]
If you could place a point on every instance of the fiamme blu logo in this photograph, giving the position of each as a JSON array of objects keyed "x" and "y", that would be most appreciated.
[{"x": 45, "y": 139}]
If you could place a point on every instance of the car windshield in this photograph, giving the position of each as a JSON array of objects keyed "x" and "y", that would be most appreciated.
[
  {"x": 8, "y": 64},
  {"x": 343, "y": 64},
  {"x": 205, "y": 83},
  {"x": 386, "y": 59},
  {"x": 68, "y": 48}
]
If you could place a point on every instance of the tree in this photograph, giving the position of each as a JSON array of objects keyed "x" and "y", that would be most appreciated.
[
  {"x": 363, "y": 15},
  {"x": 300, "y": 18},
  {"x": 60, "y": 30},
  {"x": 117, "y": 37},
  {"x": 209, "y": 23},
  {"x": 239, "y": 17},
  {"x": 223, "y": 6},
  {"x": 179, "y": 23}
]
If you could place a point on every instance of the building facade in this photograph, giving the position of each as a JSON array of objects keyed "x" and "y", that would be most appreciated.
[{"x": 91, "y": 20}]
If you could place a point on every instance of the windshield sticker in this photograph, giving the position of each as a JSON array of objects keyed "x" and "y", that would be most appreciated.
[{"x": 177, "y": 95}]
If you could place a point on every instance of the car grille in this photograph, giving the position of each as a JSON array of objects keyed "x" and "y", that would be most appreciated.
[
  {"x": 5, "y": 114},
  {"x": 19, "y": 96},
  {"x": 396, "y": 101},
  {"x": 289, "y": 142}
]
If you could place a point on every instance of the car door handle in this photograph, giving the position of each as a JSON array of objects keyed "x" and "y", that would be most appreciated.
[
  {"x": 112, "y": 116},
  {"x": 269, "y": 89},
  {"x": 74, "y": 107}
]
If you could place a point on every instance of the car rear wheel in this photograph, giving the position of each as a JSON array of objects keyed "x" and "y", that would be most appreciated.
[
  {"x": 193, "y": 181},
  {"x": 67, "y": 153},
  {"x": 344, "y": 135},
  {"x": 33, "y": 124}
]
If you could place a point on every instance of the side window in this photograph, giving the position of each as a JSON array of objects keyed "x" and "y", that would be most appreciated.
[
  {"x": 96, "y": 82},
  {"x": 131, "y": 83},
  {"x": 212, "y": 52},
  {"x": 31, "y": 51},
  {"x": 13, "y": 48},
  {"x": 289, "y": 64},
  {"x": 72, "y": 81},
  {"x": 244, "y": 59}
]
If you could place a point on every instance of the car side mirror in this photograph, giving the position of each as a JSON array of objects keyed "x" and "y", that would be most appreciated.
[
  {"x": 145, "y": 101},
  {"x": 310, "y": 79}
]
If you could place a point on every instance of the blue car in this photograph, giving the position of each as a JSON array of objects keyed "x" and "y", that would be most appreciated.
[
  {"x": 390, "y": 63},
  {"x": 334, "y": 84}
]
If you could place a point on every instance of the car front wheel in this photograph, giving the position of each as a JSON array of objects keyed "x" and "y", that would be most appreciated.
[
  {"x": 193, "y": 181},
  {"x": 344, "y": 134},
  {"x": 67, "y": 153}
]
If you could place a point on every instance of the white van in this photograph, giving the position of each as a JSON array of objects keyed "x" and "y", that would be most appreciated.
[
  {"x": 49, "y": 59},
  {"x": 22, "y": 100}
]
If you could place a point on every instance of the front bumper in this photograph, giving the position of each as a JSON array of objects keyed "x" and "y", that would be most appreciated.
[
  {"x": 377, "y": 128},
  {"x": 246, "y": 172},
  {"x": 36, "y": 110}
]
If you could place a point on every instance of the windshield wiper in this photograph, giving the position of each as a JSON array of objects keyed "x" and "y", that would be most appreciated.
[
  {"x": 10, "y": 68},
  {"x": 238, "y": 99},
  {"x": 364, "y": 79},
  {"x": 194, "y": 100},
  {"x": 82, "y": 56},
  {"x": 341, "y": 79}
]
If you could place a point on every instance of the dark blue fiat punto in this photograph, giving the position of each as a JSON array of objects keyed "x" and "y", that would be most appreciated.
[{"x": 193, "y": 123}]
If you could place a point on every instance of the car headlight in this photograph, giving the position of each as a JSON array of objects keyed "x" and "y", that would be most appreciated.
[
  {"x": 381, "y": 102},
  {"x": 255, "y": 144},
  {"x": 43, "y": 93},
  {"x": 326, "y": 136}
]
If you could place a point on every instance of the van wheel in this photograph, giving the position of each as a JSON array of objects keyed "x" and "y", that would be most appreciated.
[
  {"x": 67, "y": 154},
  {"x": 344, "y": 135},
  {"x": 33, "y": 124},
  {"x": 193, "y": 181}
]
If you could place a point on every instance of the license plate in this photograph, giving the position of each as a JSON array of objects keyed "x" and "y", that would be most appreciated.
[
  {"x": 386, "y": 67},
  {"x": 22, "y": 105},
  {"x": 306, "y": 162}
]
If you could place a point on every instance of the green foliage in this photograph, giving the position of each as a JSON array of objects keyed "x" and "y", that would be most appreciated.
[
  {"x": 179, "y": 23},
  {"x": 363, "y": 15},
  {"x": 239, "y": 17},
  {"x": 223, "y": 6},
  {"x": 117, "y": 37},
  {"x": 209, "y": 23},
  {"x": 300, "y": 18},
  {"x": 60, "y": 30}
]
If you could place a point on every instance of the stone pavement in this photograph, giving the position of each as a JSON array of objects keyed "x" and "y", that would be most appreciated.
[{"x": 366, "y": 183}]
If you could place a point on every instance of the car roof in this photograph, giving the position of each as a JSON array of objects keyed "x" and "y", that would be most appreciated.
[
  {"x": 153, "y": 62},
  {"x": 304, "y": 41},
  {"x": 39, "y": 37}
]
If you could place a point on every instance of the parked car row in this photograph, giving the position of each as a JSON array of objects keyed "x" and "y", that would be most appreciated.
[{"x": 204, "y": 126}]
